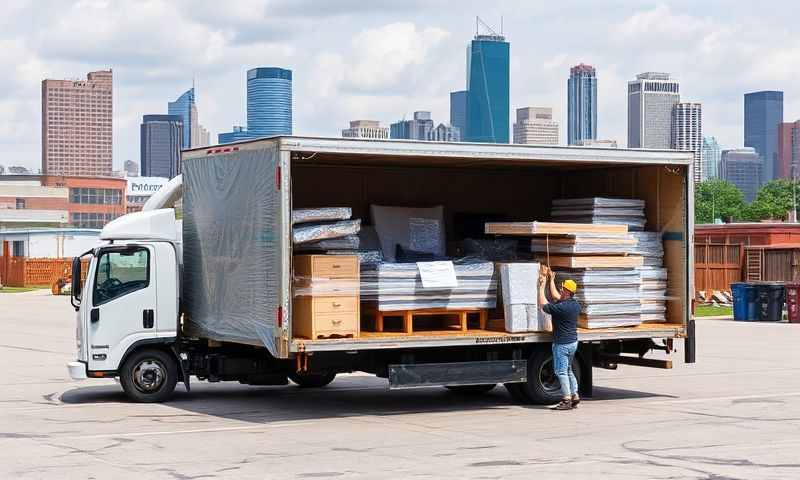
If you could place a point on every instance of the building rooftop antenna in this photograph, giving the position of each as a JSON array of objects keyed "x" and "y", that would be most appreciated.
[{"x": 490, "y": 31}]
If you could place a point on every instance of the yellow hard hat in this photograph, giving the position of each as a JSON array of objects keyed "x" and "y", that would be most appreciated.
[{"x": 570, "y": 285}]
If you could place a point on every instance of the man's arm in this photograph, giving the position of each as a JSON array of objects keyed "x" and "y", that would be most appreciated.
[
  {"x": 542, "y": 297},
  {"x": 551, "y": 276}
]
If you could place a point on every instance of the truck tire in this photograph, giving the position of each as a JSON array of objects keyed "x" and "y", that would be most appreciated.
[
  {"x": 471, "y": 389},
  {"x": 311, "y": 380},
  {"x": 543, "y": 387},
  {"x": 149, "y": 376}
]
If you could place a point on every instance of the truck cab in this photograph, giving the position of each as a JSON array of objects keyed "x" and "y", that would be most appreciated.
[{"x": 129, "y": 303}]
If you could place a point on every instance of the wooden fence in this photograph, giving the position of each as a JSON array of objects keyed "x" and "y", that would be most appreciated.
[
  {"x": 773, "y": 264},
  {"x": 27, "y": 272},
  {"x": 716, "y": 266}
]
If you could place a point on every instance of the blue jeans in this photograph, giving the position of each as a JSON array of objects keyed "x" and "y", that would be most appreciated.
[{"x": 563, "y": 353}]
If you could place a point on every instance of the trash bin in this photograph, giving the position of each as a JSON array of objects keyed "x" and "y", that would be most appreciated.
[
  {"x": 739, "y": 291},
  {"x": 769, "y": 301},
  {"x": 750, "y": 295},
  {"x": 793, "y": 302}
]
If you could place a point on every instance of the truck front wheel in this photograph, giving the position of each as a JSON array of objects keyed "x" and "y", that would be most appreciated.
[
  {"x": 149, "y": 376},
  {"x": 311, "y": 380}
]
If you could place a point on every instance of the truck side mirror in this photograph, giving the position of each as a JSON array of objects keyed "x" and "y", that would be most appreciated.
[{"x": 76, "y": 278}]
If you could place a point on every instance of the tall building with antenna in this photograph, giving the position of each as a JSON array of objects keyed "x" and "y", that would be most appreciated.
[
  {"x": 194, "y": 135},
  {"x": 488, "y": 79}
]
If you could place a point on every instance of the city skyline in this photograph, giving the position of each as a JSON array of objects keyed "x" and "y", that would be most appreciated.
[{"x": 354, "y": 76}]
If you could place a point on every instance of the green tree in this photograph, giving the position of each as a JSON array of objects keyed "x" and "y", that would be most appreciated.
[
  {"x": 773, "y": 200},
  {"x": 717, "y": 198}
]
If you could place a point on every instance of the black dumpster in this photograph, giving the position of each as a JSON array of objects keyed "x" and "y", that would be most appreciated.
[{"x": 769, "y": 301}]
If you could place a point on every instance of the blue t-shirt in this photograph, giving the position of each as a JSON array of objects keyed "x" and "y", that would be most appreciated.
[{"x": 565, "y": 320}]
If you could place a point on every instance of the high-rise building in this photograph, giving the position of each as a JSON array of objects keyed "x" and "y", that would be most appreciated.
[
  {"x": 581, "y": 104},
  {"x": 650, "y": 100},
  {"x": 194, "y": 135},
  {"x": 77, "y": 125},
  {"x": 458, "y": 111},
  {"x": 742, "y": 167},
  {"x": 711, "y": 158},
  {"x": 417, "y": 129},
  {"x": 365, "y": 129},
  {"x": 535, "y": 125},
  {"x": 488, "y": 109},
  {"x": 788, "y": 150},
  {"x": 687, "y": 133},
  {"x": 445, "y": 133},
  {"x": 269, "y": 105},
  {"x": 131, "y": 168},
  {"x": 763, "y": 112},
  {"x": 160, "y": 150}
]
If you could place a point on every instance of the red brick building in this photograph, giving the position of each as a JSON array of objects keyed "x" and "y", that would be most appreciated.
[
  {"x": 54, "y": 200},
  {"x": 788, "y": 150}
]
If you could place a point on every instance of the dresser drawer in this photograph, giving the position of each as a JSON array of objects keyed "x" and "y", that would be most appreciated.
[
  {"x": 334, "y": 305},
  {"x": 333, "y": 323},
  {"x": 334, "y": 266}
]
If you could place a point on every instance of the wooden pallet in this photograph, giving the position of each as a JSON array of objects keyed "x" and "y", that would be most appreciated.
[
  {"x": 551, "y": 228},
  {"x": 409, "y": 315}
]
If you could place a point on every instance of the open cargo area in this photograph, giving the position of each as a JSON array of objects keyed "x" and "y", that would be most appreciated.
[{"x": 340, "y": 295}]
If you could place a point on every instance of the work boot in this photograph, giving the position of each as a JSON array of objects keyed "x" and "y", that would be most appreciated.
[
  {"x": 575, "y": 400},
  {"x": 565, "y": 404}
]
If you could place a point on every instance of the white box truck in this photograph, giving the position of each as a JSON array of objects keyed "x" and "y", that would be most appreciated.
[{"x": 213, "y": 299}]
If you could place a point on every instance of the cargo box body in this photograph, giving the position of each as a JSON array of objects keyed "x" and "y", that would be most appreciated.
[{"x": 238, "y": 200}]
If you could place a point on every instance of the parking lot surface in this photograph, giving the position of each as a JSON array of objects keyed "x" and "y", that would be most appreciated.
[{"x": 733, "y": 415}]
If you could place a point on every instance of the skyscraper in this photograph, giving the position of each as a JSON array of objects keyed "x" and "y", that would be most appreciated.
[
  {"x": 488, "y": 89},
  {"x": 194, "y": 135},
  {"x": 742, "y": 167},
  {"x": 77, "y": 125},
  {"x": 269, "y": 105},
  {"x": 650, "y": 100},
  {"x": 458, "y": 111},
  {"x": 763, "y": 112},
  {"x": 535, "y": 125},
  {"x": 417, "y": 129},
  {"x": 788, "y": 150},
  {"x": 581, "y": 104},
  {"x": 160, "y": 149},
  {"x": 445, "y": 133},
  {"x": 711, "y": 158},
  {"x": 687, "y": 133}
]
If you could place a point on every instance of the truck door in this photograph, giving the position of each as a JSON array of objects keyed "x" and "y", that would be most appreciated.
[{"x": 123, "y": 303}]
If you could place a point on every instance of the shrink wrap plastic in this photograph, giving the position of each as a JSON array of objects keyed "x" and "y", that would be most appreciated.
[
  {"x": 311, "y": 232},
  {"x": 305, "y": 215}
]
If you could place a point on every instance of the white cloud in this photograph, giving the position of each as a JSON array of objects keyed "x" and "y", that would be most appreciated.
[{"x": 383, "y": 59}]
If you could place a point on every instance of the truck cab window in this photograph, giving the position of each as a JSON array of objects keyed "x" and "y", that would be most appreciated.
[{"x": 120, "y": 273}]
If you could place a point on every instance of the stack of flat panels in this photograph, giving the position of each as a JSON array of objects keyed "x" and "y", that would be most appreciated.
[
  {"x": 585, "y": 244},
  {"x": 650, "y": 246},
  {"x": 551, "y": 228},
  {"x": 313, "y": 225},
  {"x": 602, "y": 211},
  {"x": 363, "y": 243},
  {"x": 653, "y": 292},
  {"x": 608, "y": 297},
  {"x": 398, "y": 286}
]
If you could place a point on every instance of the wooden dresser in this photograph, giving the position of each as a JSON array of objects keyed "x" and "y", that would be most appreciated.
[{"x": 332, "y": 307}]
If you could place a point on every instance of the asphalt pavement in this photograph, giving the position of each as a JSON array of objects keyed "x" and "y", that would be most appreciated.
[{"x": 733, "y": 415}]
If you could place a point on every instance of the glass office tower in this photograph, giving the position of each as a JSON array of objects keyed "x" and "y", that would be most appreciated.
[{"x": 488, "y": 90}]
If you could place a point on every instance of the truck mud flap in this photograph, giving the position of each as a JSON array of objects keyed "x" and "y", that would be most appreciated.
[{"x": 459, "y": 373}]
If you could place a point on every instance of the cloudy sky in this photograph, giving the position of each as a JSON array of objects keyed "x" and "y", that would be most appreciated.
[{"x": 383, "y": 59}]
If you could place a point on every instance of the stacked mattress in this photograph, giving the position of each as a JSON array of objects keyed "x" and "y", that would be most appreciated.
[
  {"x": 330, "y": 231},
  {"x": 398, "y": 286},
  {"x": 599, "y": 210}
]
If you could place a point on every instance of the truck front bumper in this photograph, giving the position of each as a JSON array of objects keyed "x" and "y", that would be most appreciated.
[{"x": 77, "y": 370}]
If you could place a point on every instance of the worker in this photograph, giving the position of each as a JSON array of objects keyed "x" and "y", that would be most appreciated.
[{"x": 564, "y": 310}]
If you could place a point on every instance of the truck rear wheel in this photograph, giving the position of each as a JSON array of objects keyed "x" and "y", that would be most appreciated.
[
  {"x": 471, "y": 389},
  {"x": 542, "y": 387},
  {"x": 311, "y": 380},
  {"x": 149, "y": 376}
]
